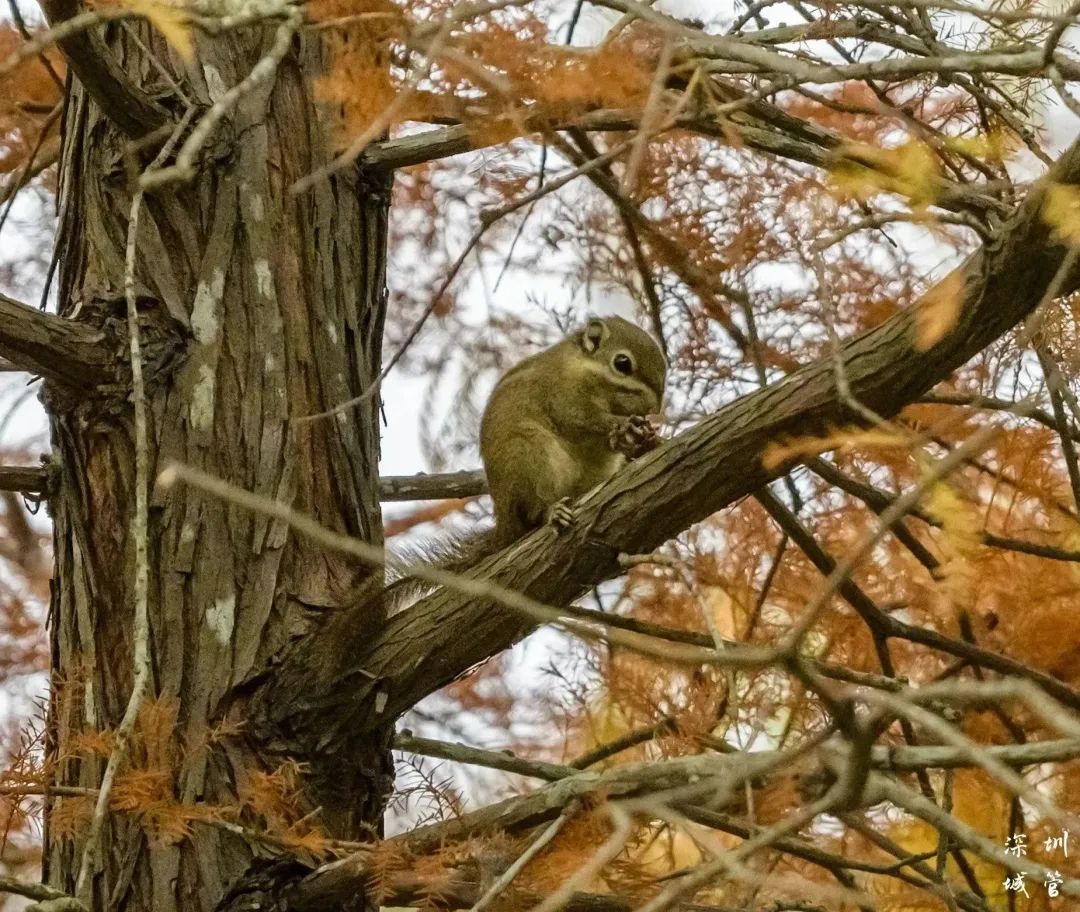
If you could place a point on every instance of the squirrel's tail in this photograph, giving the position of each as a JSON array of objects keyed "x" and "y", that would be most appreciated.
[{"x": 452, "y": 553}]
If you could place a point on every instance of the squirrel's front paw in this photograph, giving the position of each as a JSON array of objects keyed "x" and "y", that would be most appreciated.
[
  {"x": 635, "y": 436},
  {"x": 561, "y": 515}
]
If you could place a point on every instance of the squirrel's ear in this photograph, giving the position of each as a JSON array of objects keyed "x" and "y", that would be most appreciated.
[{"x": 593, "y": 335}]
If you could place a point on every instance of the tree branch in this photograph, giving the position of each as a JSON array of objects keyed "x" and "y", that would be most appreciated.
[
  {"x": 417, "y": 148},
  {"x": 24, "y": 479},
  {"x": 59, "y": 350},
  {"x": 439, "y": 486},
  {"x": 719, "y": 777},
  {"x": 500, "y": 760},
  {"x": 335, "y": 880},
  {"x": 367, "y": 681},
  {"x": 35, "y": 891},
  {"x": 879, "y": 500},
  {"x": 128, "y": 106},
  {"x": 764, "y": 128}
]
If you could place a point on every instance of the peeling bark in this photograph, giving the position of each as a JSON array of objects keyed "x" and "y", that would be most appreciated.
[{"x": 273, "y": 306}]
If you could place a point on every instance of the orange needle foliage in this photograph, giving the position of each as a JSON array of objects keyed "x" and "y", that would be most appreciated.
[{"x": 704, "y": 233}]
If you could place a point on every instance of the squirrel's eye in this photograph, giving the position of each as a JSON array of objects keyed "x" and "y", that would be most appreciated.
[{"x": 623, "y": 364}]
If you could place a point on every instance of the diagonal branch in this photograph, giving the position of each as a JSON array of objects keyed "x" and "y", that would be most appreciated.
[
  {"x": 59, "y": 350},
  {"x": 335, "y": 880},
  {"x": 879, "y": 501},
  {"x": 366, "y": 681},
  {"x": 127, "y": 105}
]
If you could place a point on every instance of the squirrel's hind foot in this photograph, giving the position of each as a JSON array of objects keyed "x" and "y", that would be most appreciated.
[{"x": 561, "y": 515}]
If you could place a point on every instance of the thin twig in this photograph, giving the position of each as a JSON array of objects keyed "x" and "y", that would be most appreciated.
[
  {"x": 1056, "y": 383},
  {"x": 462, "y": 753},
  {"x": 896, "y": 511},
  {"x": 184, "y": 167},
  {"x": 535, "y": 848},
  {"x": 487, "y": 219},
  {"x": 140, "y": 538},
  {"x": 27, "y": 172}
]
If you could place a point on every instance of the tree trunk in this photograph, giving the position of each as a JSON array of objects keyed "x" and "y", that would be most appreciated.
[{"x": 257, "y": 305}]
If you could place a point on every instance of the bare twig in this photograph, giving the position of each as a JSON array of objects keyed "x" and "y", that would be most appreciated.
[
  {"x": 461, "y": 753},
  {"x": 139, "y": 536},
  {"x": 487, "y": 219},
  {"x": 27, "y": 172},
  {"x": 184, "y": 167},
  {"x": 896, "y": 511},
  {"x": 535, "y": 848}
]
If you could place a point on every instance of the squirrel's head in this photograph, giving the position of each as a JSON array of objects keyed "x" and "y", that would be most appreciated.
[{"x": 628, "y": 362}]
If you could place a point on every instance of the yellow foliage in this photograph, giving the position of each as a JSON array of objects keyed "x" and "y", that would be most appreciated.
[
  {"x": 138, "y": 789},
  {"x": 992, "y": 146},
  {"x": 271, "y": 794},
  {"x": 578, "y": 839},
  {"x": 1061, "y": 210},
  {"x": 303, "y": 838},
  {"x": 846, "y": 439},
  {"x": 722, "y": 609},
  {"x": 359, "y": 79},
  {"x": 99, "y": 743},
  {"x": 170, "y": 21},
  {"x": 1070, "y": 541},
  {"x": 960, "y": 541},
  {"x": 910, "y": 170},
  {"x": 606, "y": 722},
  {"x": 154, "y": 731},
  {"x": 978, "y": 801},
  {"x": 938, "y": 310},
  {"x": 70, "y": 816}
]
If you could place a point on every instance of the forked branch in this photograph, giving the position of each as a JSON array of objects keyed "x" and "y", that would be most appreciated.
[{"x": 697, "y": 473}]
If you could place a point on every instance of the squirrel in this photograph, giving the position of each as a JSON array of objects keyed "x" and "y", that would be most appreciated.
[
  {"x": 557, "y": 425},
  {"x": 565, "y": 420}
]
